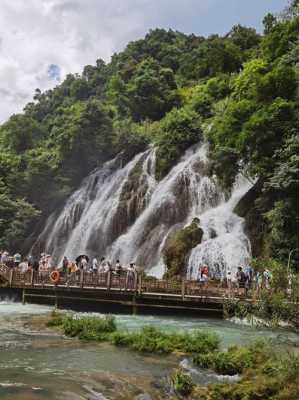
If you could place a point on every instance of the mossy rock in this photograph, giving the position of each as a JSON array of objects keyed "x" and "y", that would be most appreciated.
[{"x": 178, "y": 247}]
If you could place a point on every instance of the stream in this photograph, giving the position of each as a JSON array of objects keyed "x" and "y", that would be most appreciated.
[{"x": 40, "y": 365}]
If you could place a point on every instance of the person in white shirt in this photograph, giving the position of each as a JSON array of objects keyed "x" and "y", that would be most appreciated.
[
  {"x": 103, "y": 265},
  {"x": 94, "y": 265},
  {"x": 84, "y": 263},
  {"x": 23, "y": 267}
]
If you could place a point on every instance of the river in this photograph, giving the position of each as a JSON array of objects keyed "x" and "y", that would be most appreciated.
[{"x": 43, "y": 365}]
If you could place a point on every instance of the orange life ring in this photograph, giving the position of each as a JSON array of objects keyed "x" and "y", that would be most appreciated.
[{"x": 54, "y": 277}]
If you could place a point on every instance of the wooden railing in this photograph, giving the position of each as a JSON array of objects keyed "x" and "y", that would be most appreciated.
[{"x": 125, "y": 281}]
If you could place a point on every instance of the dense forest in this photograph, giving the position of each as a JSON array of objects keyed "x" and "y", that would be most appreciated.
[{"x": 239, "y": 92}]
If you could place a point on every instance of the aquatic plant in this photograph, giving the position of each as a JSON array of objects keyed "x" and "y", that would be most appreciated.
[
  {"x": 230, "y": 362},
  {"x": 148, "y": 339},
  {"x": 151, "y": 339}
]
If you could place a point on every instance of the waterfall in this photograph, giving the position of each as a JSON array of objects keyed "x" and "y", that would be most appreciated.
[
  {"x": 123, "y": 212},
  {"x": 225, "y": 244}
]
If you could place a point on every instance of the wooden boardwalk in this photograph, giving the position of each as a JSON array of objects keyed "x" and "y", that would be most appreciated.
[{"x": 96, "y": 290}]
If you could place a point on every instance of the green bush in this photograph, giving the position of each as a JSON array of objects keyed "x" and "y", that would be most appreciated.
[
  {"x": 231, "y": 362},
  {"x": 182, "y": 382}
]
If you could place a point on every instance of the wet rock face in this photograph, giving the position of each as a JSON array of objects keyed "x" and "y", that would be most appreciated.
[
  {"x": 132, "y": 200},
  {"x": 253, "y": 218}
]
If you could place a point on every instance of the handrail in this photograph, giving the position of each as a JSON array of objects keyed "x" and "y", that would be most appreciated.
[{"x": 111, "y": 281}]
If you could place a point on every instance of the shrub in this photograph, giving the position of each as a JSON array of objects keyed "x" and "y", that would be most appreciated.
[
  {"x": 231, "y": 362},
  {"x": 182, "y": 382}
]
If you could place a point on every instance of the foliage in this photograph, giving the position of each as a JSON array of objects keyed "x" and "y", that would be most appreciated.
[
  {"x": 178, "y": 247},
  {"x": 271, "y": 306},
  {"x": 148, "y": 339},
  {"x": 233, "y": 361},
  {"x": 178, "y": 130},
  {"x": 182, "y": 382},
  {"x": 85, "y": 328}
]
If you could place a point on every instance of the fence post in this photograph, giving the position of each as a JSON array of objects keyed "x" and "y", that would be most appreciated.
[
  {"x": 139, "y": 283},
  {"x": 81, "y": 277},
  {"x": 127, "y": 280},
  {"x": 183, "y": 288},
  {"x": 32, "y": 276},
  {"x": 108, "y": 280}
]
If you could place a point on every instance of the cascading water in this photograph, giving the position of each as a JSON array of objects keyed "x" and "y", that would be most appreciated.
[
  {"x": 224, "y": 244},
  {"x": 123, "y": 212}
]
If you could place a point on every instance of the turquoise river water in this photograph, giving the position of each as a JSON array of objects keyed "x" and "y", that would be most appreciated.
[{"x": 37, "y": 365}]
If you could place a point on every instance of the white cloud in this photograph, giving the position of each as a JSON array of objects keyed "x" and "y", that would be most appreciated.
[
  {"x": 68, "y": 33},
  {"x": 35, "y": 34}
]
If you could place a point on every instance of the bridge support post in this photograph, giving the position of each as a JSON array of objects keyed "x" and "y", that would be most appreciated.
[
  {"x": 139, "y": 283},
  {"x": 56, "y": 300},
  {"x": 31, "y": 278},
  {"x": 108, "y": 280},
  {"x": 81, "y": 278},
  {"x": 134, "y": 305},
  {"x": 183, "y": 288},
  {"x": 23, "y": 297},
  {"x": 10, "y": 277}
]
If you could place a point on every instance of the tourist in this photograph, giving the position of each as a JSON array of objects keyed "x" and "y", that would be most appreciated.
[
  {"x": 17, "y": 259},
  {"x": 4, "y": 257},
  {"x": 229, "y": 281},
  {"x": 249, "y": 273},
  {"x": 10, "y": 263},
  {"x": 24, "y": 266},
  {"x": 204, "y": 276},
  {"x": 95, "y": 265},
  {"x": 48, "y": 260},
  {"x": 30, "y": 261},
  {"x": 118, "y": 268},
  {"x": 267, "y": 279},
  {"x": 73, "y": 272},
  {"x": 65, "y": 263},
  {"x": 84, "y": 263},
  {"x": 103, "y": 266},
  {"x": 43, "y": 268},
  {"x": 131, "y": 272}
]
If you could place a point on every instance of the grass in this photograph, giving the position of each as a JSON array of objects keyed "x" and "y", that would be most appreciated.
[
  {"x": 148, "y": 340},
  {"x": 151, "y": 339}
]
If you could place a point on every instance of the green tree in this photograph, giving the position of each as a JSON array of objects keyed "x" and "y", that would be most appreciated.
[{"x": 151, "y": 91}]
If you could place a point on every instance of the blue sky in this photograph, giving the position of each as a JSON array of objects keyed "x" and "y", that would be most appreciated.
[
  {"x": 43, "y": 40},
  {"x": 210, "y": 16}
]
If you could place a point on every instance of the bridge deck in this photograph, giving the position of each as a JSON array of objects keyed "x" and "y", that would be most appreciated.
[{"x": 130, "y": 290}]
